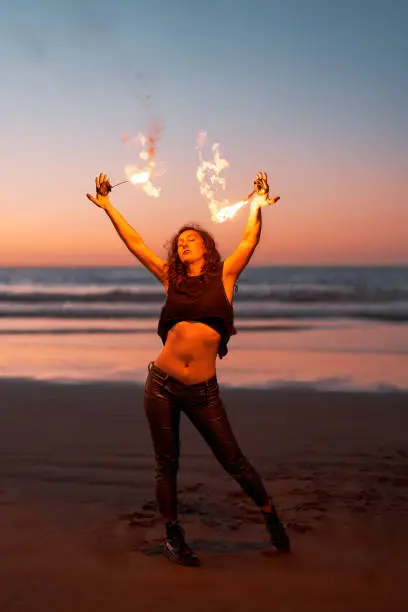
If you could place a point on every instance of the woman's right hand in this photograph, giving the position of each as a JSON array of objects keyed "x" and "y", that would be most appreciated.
[{"x": 102, "y": 192}]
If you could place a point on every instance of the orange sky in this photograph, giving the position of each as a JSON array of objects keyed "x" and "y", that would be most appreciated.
[{"x": 357, "y": 222}]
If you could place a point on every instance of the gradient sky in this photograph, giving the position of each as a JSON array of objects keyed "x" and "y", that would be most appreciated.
[{"x": 314, "y": 92}]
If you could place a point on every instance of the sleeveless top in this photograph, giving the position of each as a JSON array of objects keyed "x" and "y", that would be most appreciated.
[{"x": 196, "y": 300}]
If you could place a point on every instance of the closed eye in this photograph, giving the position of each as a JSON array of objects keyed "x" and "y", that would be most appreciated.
[{"x": 181, "y": 244}]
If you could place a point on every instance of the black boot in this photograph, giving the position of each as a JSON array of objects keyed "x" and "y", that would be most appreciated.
[
  {"x": 176, "y": 548},
  {"x": 278, "y": 536}
]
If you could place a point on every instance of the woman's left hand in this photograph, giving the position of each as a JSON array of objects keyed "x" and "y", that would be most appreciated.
[{"x": 261, "y": 188}]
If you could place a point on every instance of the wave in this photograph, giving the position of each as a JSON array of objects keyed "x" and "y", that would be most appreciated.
[
  {"x": 267, "y": 293},
  {"x": 397, "y": 313},
  {"x": 337, "y": 294}
]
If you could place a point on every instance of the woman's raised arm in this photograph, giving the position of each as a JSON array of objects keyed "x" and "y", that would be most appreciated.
[{"x": 134, "y": 242}]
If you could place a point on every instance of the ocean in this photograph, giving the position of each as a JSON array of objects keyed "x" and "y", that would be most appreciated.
[{"x": 321, "y": 327}]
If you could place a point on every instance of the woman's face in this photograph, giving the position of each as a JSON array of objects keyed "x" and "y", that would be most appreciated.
[{"x": 190, "y": 246}]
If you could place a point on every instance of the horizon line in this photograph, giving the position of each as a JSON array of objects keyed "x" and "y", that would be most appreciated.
[{"x": 281, "y": 265}]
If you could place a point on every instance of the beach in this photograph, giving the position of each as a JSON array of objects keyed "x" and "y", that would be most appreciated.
[
  {"x": 80, "y": 529},
  {"x": 316, "y": 389}
]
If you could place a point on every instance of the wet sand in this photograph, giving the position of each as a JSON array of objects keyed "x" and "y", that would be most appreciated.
[{"x": 79, "y": 528}]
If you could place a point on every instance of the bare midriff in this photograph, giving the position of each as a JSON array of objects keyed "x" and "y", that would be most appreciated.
[
  {"x": 190, "y": 352},
  {"x": 191, "y": 349}
]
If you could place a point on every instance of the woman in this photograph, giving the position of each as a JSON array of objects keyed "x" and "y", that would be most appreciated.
[{"x": 195, "y": 325}]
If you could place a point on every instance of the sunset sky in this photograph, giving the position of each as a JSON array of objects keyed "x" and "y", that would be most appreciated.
[{"x": 313, "y": 92}]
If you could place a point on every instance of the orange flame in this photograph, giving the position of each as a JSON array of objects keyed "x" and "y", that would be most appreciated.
[
  {"x": 142, "y": 176},
  {"x": 210, "y": 180}
]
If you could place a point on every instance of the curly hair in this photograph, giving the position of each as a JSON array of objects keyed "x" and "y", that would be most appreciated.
[{"x": 177, "y": 270}]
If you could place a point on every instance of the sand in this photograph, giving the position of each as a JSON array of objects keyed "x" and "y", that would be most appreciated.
[{"x": 79, "y": 528}]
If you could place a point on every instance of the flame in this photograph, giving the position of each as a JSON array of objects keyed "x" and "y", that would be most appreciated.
[
  {"x": 210, "y": 180},
  {"x": 139, "y": 177},
  {"x": 229, "y": 212},
  {"x": 142, "y": 176}
]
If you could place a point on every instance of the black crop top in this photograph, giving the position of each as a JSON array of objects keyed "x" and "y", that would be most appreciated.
[{"x": 198, "y": 301}]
